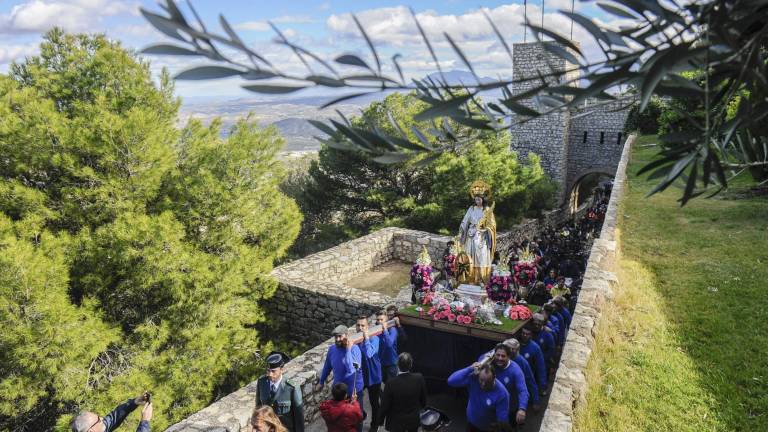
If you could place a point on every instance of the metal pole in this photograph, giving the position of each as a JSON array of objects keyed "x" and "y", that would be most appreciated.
[
  {"x": 525, "y": 21},
  {"x": 572, "y": 7},
  {"x": 542, "y": 15}
]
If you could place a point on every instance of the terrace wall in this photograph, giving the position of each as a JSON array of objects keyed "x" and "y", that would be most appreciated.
[{"x": 570, "y": 387}]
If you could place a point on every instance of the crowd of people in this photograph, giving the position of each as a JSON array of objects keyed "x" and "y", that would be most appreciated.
[{"x": 502, "y": 387}]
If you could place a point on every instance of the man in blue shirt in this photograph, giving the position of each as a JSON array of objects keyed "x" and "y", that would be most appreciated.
[
  {"x": 371, "y": 368},
  {"x": 562, "y": 308},
  {"x": 511, "y": 376},
  {"x": 555, "y": 323},
  {"x": 532, "y": 353},
  {"x": 543, "y": 337},
  {"x": 388, "y": 345},
  {"x": 530, "y": 382},
  {"x": 344, "y": 358},
  {"x": 488, "y": 399},
  {"x": 513, "y": 347}
]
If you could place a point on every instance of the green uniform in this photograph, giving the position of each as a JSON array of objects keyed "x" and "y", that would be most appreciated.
[{"x": 286, "y": 402}]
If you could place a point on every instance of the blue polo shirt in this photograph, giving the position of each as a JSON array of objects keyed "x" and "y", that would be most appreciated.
[
  {"x": 535, "y": 357},
  {"x": 388, "y": 346},
  {"x": 371, "y": 361},
  {"x": 484, "y": 407},
  {"x": 530, "y": 381},
  {"x": 342, "y": 361},
  {"x": 557, "y": 329},
  {"x": 566, "y": 315},
  {"x": 546, "y": 341}
]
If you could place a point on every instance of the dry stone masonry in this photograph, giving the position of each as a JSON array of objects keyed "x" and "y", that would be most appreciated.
[
  {"x": 570, "y": 386},
  {"x": 570, "y": 144}
]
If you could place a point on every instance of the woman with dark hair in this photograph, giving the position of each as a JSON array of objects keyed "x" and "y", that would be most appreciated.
[{"x": 264, "y": 419}]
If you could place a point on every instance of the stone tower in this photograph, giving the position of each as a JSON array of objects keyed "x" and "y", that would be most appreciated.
[{"x": 547, "y": 136}]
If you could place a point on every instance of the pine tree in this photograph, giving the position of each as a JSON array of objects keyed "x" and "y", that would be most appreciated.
[{"x": 133, "y": 255}]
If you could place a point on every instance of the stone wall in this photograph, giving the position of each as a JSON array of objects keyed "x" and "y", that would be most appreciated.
[
  {"x": 601, "y": 150},
  {"x": 570, "y": 387},
  {"x": 313, "y": 297},
  {"x": 526, "y": 229}
]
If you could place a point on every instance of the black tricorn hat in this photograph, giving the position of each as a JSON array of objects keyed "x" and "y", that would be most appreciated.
[{"x": 277, "y": 359}]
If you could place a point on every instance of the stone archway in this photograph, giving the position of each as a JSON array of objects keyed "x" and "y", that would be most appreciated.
[{"x": 574, "y": 187}]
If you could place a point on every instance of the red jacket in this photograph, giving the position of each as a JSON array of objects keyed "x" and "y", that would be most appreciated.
[{"x": 341, "y": 416}]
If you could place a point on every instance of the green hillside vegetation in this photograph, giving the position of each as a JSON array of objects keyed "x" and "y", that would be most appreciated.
[
  {"x": 683, "y": 347},
  {"x": 133, "y": 255}
]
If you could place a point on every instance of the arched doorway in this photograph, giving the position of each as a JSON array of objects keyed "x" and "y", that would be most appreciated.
[{"x": 583, "y": 189}]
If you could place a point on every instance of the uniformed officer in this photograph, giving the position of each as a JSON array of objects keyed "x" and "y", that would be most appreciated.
[{"x": 282, "y": 395}]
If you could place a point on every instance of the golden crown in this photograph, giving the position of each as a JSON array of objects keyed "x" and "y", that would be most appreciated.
[{"x": 480, "y": 188}]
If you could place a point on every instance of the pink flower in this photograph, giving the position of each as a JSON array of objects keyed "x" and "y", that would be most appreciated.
[
  {"x": 451, "y": 317},
  {"x": 459, "y": 308}
]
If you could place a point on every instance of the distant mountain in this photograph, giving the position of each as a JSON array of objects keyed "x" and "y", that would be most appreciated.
[{"x": 296, "y": 126}]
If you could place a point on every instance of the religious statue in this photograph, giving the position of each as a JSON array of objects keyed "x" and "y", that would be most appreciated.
[{"x": 478, "y": 233}]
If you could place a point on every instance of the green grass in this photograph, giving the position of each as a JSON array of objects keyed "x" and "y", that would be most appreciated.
[{"x": 684, "y": 348}]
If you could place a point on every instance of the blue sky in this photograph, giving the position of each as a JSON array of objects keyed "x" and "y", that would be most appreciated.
[{"x": 322, "y": 26}]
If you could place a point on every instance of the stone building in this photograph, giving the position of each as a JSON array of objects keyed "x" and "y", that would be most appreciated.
[{"x": 571, "y": 144}]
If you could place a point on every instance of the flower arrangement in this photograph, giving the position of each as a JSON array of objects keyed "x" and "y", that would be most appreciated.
[
  {"x": 498, "y": 287},
  {"x": 421, "y": 272},
  {"x": 449, "y": 265},
  {"x": 525, "y": 273},
  {"x": 525, "y": 269},
  {"x": 457, "y": 312},
  {"x": 519, "y": 313}
]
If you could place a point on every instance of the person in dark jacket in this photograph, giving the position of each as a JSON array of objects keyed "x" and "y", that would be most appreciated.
[
  {"x": 404, "y": 397},
  {"x": 538, "y": 295},
  {"x": 88, "y": 421},
  {"x": 281, "y": 394},
  {"x": 341, "y": 414}
]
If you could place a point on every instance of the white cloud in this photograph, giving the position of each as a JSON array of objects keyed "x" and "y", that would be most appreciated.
[
  {"x": 260, "y": 26},
  {"x": 9, "y": 53},
  {"x": 293, "y": 19},
  {"x": 394, "y": 28},
  {"x": 252, "y": 26},
  {"x": 73, "y": 15},
  {"x": 395, "y": 25}
]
